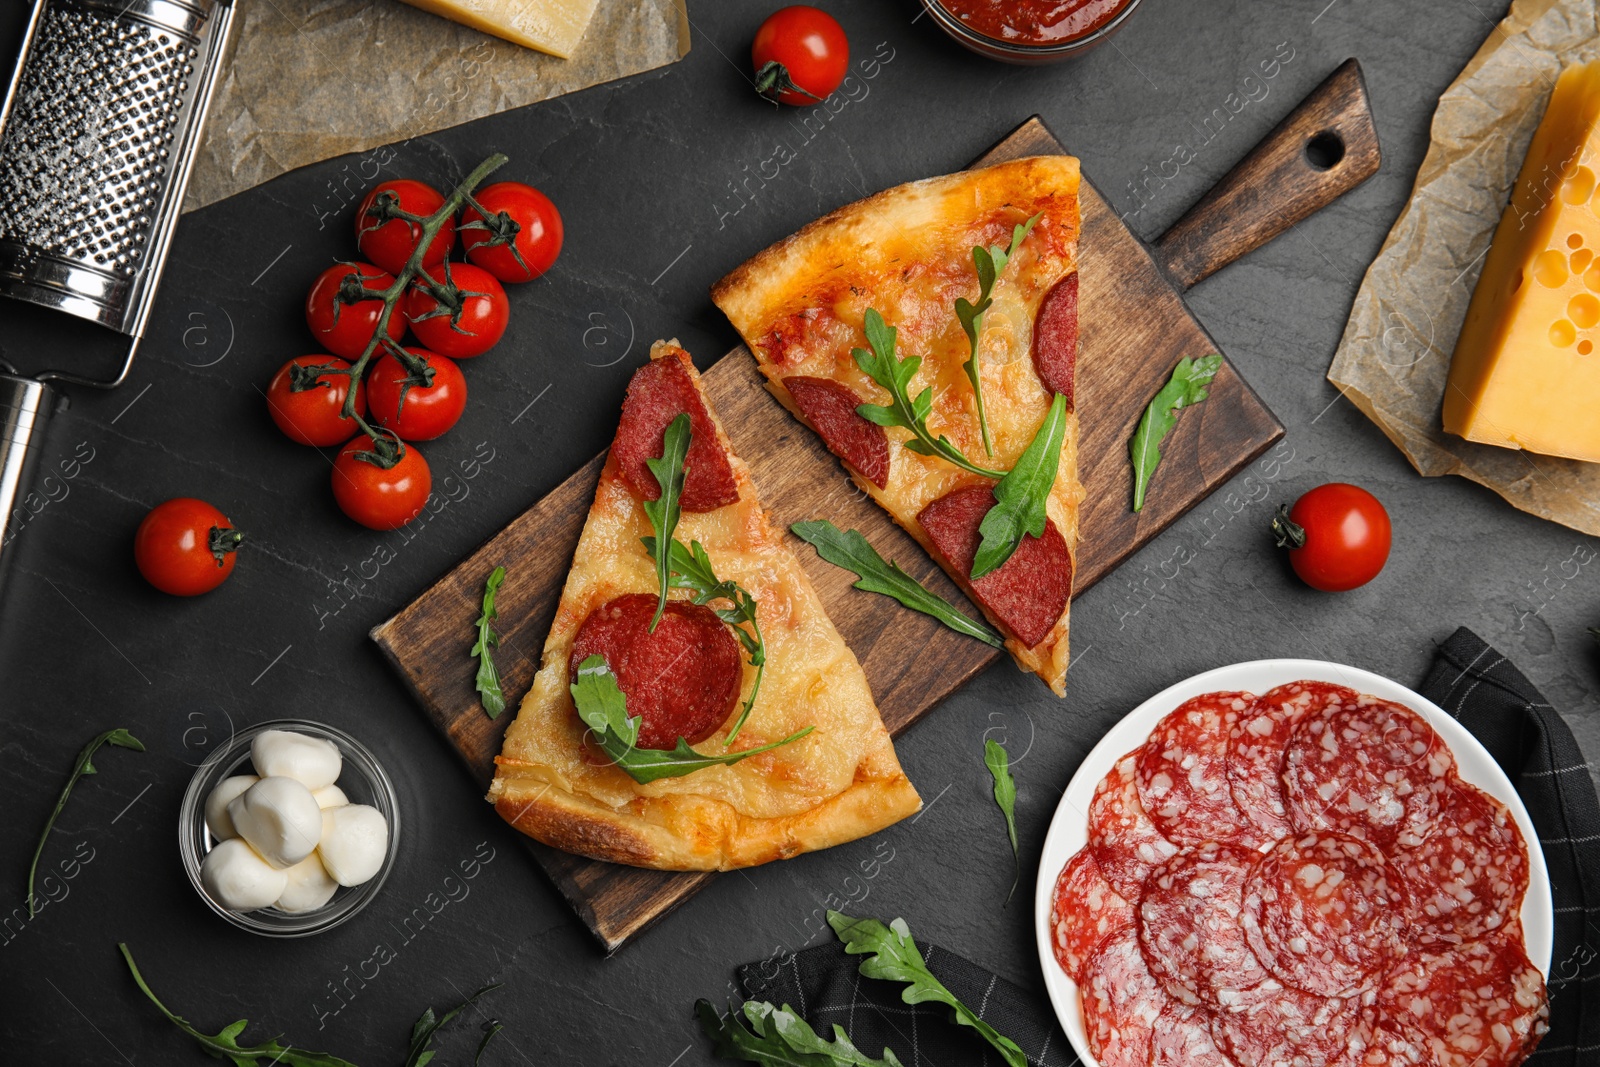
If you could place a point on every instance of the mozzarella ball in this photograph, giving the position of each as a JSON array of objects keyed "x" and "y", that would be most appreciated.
[
  {"x": 217, "y": 804},
  {"x": 280, "y": 819},
  {"x": 355, "y": 840},
  {"x": 311, "y": 761},
  {"x": 239, "y": 879},
  {"x": 330, "y": 796},
  {"x": 310, "y": 887}
]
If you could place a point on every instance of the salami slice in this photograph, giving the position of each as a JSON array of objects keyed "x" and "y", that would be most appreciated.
[
  {"x": 1258, "y": 741},
  {"x": 830, "y": 408},
  {"x": 1374, "y": 769},
  {"x": 1189, "y": 923},
  {"x": 1087, "y": 911},
  {"x": 1028, "y": 593},
  {"x": 1324, "y": 913},
  {"x": 1126, "y": 844},
  {"x": 660, "y": 391},
  {"x": 1480, "y": 1004},
  {"x": 1183, "y": 772},
  {"x": 682, "y": 681},
  {"x": 1055, "y": 337},
  {"x": 1182, "y": 1038},
  {"x": 1275, "y": 1026},
  {"x": 1121, "y": 1003},
  {"x": 1468, "y": 877}
]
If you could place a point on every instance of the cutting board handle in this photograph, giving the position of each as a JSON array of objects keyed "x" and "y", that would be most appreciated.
[{"x": 1327, "y": 146}]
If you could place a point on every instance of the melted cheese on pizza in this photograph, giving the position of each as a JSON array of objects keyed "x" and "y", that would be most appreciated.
[
  {"x": 907, "y": 252},
  {"x": 811, "y": 679}
]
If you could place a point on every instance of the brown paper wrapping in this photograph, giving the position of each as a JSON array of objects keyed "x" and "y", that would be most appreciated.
[
  {"x": 1395, "y": 354},
  {"x": 307, "y": 80}
]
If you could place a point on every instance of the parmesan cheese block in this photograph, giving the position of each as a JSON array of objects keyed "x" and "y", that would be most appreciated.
[
  {"x": 1526, "y": 370},
  {"x": 553, "y": 26}
]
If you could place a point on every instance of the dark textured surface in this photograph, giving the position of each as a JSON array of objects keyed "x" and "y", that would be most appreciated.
[{"x": 641, "y": 170}]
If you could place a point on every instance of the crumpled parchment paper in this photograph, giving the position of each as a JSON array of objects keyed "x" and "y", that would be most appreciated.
[
  {"x": 307, "y": 80},
  {"x": 1395, "y": 354}
]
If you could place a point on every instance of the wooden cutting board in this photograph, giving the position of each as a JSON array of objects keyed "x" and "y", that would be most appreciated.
[{"x": 1135, "y": 327}]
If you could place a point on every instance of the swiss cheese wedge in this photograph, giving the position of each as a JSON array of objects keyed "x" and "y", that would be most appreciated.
[
  {"x": 1526, "y": 369},
  {"x": 838, "y": 782},
  {"x": 907, "y": 253}
]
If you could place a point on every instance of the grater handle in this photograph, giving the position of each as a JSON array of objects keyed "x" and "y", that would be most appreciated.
[{"x": 25, "y": 407}]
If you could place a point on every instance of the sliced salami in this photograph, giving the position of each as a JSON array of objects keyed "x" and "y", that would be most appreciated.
[
  {"x": 1325, "y": 913},
  {"x": 1183, "y": 772},
  {"x": 1182, "y": 1038},
  {"x": 1189, "y": 926},
  {"x": 1480, "y": 1004},
  {"x": 682, "y": 680},
  {"x": 660, "y": 391},
  {"x": 1121, "y": 1003},
  {"x": 1087, "y": 911},
  {"x": 1374, "y": 769},
  {"x": 1258, "y": 741},
  {"x": 1467, "y": 878},
  {"x": 1126, "y": 843},
  {"x": 1029, "y": 591},
  {"x": 830, "y": 408},
  {"x": 1055, "y": 337},
  {"x": 1276, "y": 1026}
]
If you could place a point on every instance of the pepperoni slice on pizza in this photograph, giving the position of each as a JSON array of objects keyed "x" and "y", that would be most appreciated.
[
  {"x": 909, "y": 254},
  {"x": 686, "y": 677}
]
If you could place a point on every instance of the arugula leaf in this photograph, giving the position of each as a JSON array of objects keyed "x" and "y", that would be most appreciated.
[
  {"x": 224, "y": 1045},
  {"x": 691, "y": 569},
  {"x": 990, "y": 263},
  {"x": 779, "y": 1037},
  {"x": 664, "y": 511},
  {"x": 488, "y": 680},
  {"x": 418, "y": 1054},
  {"x": 1020, "y": 496},
  {"x": 893, "y": 956},
  {"x": 895, "y": 374},
  {"x": 998, "y": 761},
  {"x": 80, "y": 767},
  {"x": 488, "y": 1036},
  {"x": 604, "y": 710},
  {"x": 850, "y": 549},
  {"x": 1186, "y": 387}
]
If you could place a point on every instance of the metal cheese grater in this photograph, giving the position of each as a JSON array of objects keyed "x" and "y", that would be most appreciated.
[{"x": 97, "y": 135}]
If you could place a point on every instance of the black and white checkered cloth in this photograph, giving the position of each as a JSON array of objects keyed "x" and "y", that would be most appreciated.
[
  {"x": 1535, "y": 748},
  {"x": 1470, "y": 680}
]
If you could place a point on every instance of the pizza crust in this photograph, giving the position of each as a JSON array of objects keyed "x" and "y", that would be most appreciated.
[
  {"x": 906, "y": 251},
  {"x": 838, "y": 783}
]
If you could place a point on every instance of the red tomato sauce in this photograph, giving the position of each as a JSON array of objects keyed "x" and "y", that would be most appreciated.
[{"x": 1037, "y": 22}]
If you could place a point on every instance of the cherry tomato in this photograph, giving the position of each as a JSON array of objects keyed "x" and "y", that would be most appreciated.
[
  {"x": 428, "y": 411},
  {"x": 185, "y": 547},
  {"x": 340, "y": 320},
  {"x": 313, "y": 415},
  {"x": 1337, "y": 536},
  {"x": 380, "y": 498},
  {"x": 471, "y": 320},
  {"x": 800, "y": 55},
  {"x": 389, "y": 241},
  {"x": 522, "y": 236}
]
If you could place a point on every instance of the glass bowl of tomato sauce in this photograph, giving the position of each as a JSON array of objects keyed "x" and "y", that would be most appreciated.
[{"x": 1030, "y": 32}]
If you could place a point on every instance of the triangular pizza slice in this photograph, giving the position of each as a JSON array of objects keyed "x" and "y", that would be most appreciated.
[
  {"x": 922, "y": 258},
  {"x": 630, "y": 747}
]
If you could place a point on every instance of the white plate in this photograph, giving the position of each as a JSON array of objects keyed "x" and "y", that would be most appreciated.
[{"x": 1069, "y": 830}]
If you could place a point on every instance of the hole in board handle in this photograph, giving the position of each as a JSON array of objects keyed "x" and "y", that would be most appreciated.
[{"x": 1325, "y": 150}]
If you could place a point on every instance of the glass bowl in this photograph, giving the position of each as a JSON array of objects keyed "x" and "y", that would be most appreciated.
[
  {"x": 1016, "y": 51},
  {"x": 362, "y": 780}
]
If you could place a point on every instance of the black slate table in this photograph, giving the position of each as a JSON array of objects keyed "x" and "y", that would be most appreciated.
[{"x": 644, "y": 171}]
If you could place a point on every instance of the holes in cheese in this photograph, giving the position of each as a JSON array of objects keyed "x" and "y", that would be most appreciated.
[{"x": 1524, "y": 373}]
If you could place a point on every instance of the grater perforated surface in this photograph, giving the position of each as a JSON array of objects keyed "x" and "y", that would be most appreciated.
[{"x": 88, "y": 152}]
